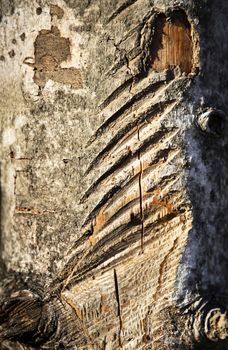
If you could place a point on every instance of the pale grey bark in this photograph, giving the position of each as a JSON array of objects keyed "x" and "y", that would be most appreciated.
[{"x": 114, "y": 174}]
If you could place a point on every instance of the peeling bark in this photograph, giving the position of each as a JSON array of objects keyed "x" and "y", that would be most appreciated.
[{"x": 114, "y": 175}]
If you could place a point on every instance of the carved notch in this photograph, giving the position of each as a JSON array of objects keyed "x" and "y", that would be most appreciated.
[{"x": 172, "y": 45}]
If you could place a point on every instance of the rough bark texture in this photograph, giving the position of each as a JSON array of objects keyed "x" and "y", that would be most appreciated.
[{"x": 114, "y": 174}]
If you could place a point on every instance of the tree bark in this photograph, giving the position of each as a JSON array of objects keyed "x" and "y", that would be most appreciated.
[{"x": 114, "y": 174}]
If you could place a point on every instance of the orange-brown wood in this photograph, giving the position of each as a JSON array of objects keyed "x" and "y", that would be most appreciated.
[{"x": 172, "y": 44}]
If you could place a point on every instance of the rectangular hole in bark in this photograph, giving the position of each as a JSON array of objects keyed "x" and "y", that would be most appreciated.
[{"x": 172, "y": 45}]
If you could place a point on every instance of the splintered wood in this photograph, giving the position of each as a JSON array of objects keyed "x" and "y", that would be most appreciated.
[
  {"x": 172, "y": 43},
  {"x": 138, "y": 214},
  {"x": 129, "y": 215}
]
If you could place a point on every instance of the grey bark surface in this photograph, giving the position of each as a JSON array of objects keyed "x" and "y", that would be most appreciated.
[{"x": 114, "y": 174}]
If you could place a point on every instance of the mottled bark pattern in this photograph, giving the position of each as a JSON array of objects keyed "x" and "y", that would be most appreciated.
[{"x": 114, "y": 175}]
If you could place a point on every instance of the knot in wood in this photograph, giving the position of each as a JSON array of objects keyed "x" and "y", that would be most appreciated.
[
  {"x": 216, "y": 325},
  {"x": 25, "y": 317},
  {"x": 212, "y": 121},
  {"x": 210, "y": 325}
]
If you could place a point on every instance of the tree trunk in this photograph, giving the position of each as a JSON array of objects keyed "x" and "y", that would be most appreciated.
[{"x": 114, "y": 174}]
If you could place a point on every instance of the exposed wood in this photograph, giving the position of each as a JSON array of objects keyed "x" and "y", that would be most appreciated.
[
  {"x": 172, "y": 44},
  {"x": 114, "y": 175}
]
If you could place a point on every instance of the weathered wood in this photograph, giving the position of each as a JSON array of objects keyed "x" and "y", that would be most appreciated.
[{"x": 114, "y": 174}]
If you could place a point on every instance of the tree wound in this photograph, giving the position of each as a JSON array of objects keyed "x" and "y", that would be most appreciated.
[
  {"x": 172, "y": 45},
  {"x": 51, "y": 50}
]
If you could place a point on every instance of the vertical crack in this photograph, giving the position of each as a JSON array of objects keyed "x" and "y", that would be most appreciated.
[
  {"x": 141, "y": 195},
  {"x": 118, "y": 306}
]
